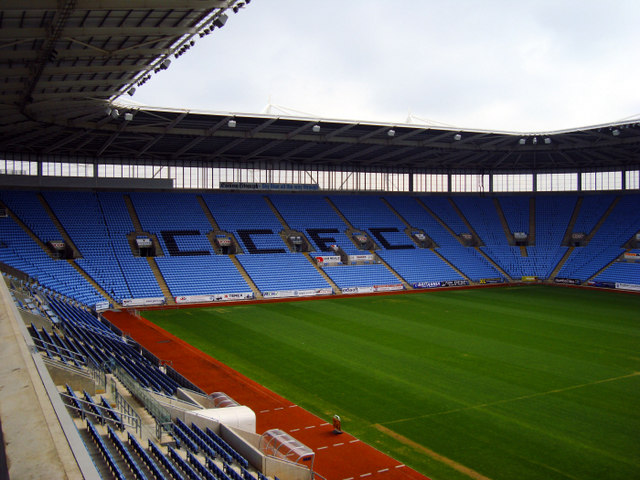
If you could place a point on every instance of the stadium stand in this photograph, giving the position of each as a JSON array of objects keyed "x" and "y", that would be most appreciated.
[
  {"x": 249, "y": 217},
  {"x": 606, "y": 244},
  {"x": 313, "y": 215},
  {"x": 279, "y": 272}
]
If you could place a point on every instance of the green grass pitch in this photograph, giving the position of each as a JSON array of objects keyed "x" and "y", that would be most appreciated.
[{"x": 524, "y": 382}]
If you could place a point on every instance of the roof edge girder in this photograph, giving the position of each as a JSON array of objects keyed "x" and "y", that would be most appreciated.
[{"x": 47, "y": 5}]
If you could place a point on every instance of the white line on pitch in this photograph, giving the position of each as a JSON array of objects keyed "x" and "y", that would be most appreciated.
[{"x": 383, "y": 470}]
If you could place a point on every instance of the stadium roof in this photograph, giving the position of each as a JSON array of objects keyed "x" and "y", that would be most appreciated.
[{"x": 64, "y": 64}]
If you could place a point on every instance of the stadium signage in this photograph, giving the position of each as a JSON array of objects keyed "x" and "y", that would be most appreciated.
[
  {"x": 139, "y": 302},
  {"x": 426, "y": 284},
  {"x": 268, "y": 186},
  {"x": 455, "y": 283},
  {"x": 529, "y": 278},
  {"x": 602, "y": 284},
  {"x": 361, "y": 258},
  {"x": 351, "y": 290},
  {"x": 220, "y": 297},
  {"x": 485, "y": 281},
  {"x": 387, "y": 288},
  {"x": 101, "y": 306},
  {"x": 634, "y": 257},
  {"x": 628, "y": 286},
  {"x": 567, "y": 281},
  {"x": 328, "y": 260},
  {"x": 297, "y": 293}
]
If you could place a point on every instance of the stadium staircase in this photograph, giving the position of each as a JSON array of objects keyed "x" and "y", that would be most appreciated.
[
  {"x": 245, "y": 275},
  {"x": 335, "y": 287},
  {"x": 566, "y": 240},
  {"x": 275, "y": 211},
  {"x": 388, "y": 267},
  {"x": 495, "y": 265},
  {"x": 532, "y": 221},
  {"x": 460, "y": 272},
  {"x": 505, "y": 225},
  {"x": 26, "y": 228},
  {"x": 561, "y": 263},
  {"x": 207, "y": 213},
  {"x": 93, "y": 283},
  {"x": 337, "y": 210},
  {"x": 168, "y": 296},
  {"x": 466, "y": 222},
  {"x": 602, "y": 220},
  {"x": 164, "y": 288},
  {"x": 438, "y": 219},
  {"x": 395, "y": 212},
  {"x": 615, "y": 260},
  {"x": 56, "y": 222},
  {"x": 132, "y": 213}
]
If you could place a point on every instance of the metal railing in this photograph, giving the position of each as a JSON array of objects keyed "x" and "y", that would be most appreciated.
[{"x": 155, "y": 409}]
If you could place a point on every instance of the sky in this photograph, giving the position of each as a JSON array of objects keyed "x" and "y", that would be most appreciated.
[{"x": 498, "y": 65}]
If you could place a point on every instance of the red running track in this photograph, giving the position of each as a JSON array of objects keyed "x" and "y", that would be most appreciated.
[{"x": 338, "y": 457}]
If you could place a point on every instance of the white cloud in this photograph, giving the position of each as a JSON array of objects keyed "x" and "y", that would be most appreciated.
[{"x": 522, "y": 66}]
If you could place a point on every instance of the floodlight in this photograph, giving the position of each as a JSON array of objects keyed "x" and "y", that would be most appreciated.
[
  {"x": 316, "y": 128},
  {"x": 522, "y": 141},
  {"x": 128, "y": 117},
  {"x": 615, "y": 132},
  {"x": 547, "y": 140},
  {"x": 232, "y": 123},
  {"x": 391, "y": 132},
  {"x": 114, "y": 113},
  {"x": 457, "y": 137},
  {"x": 220, "y": 21}
]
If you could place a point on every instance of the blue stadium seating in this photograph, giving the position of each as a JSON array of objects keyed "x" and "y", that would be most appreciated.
[
  {"x": 250, "y": 219},
  {"x": 282, "y": 271},
  {"x": 313, "y": 215}
]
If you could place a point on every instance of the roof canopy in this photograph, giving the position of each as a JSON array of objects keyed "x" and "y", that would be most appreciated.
[{"x": 64, "y": 64}]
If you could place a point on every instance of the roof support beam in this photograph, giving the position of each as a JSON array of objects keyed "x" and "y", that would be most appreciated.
[
  {"x": 43, "y": 5},
  {"x": 11, "y": 33}
]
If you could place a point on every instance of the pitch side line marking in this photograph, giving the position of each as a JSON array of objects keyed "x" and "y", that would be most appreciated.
[
  {"x": 516, "y": 399},
  {"x": 436, "y": 456}
]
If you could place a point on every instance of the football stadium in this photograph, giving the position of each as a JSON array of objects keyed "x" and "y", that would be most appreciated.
[{"x": 192, "y": 295}]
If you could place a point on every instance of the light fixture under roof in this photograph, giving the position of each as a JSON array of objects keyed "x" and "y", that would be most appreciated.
[
  {"x": 522, "y": 141},
  {"x": 220, "y": 20},
  {"x": 457, "y": 137},
  {"x": 615, "y": 132},
  {"x": 391, "y": 132},
  {"x": 231, "y": 123},
  {"x": 316, "y": 128}
]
